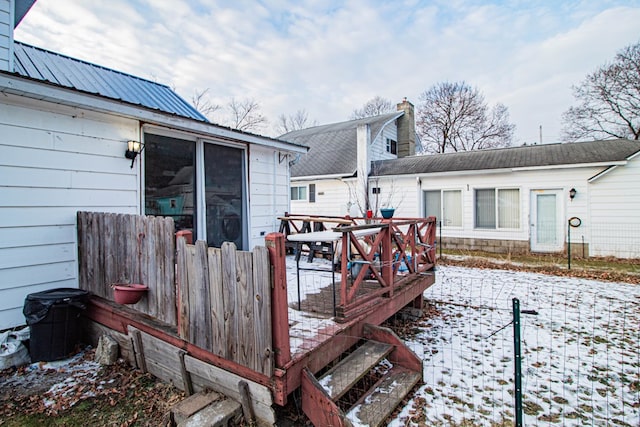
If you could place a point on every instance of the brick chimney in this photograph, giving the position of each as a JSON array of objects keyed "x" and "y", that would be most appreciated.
[
  {"x": 406, "y": 130},
  {"x": 6, "y": 34}
]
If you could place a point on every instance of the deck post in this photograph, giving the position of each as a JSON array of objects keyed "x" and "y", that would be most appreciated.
[
  {"x": 279, "y": 306},
  {"x": 344, "y": 262},
  {"x": 387, "y": 256}
]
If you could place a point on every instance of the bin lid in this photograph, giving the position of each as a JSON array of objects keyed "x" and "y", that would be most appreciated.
[{"x": 37, "y": 305}]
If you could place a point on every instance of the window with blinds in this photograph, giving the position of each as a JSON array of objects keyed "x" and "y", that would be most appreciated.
[
  {"x": 497, "y": 208},
  {"x": 445, "y": 205}
]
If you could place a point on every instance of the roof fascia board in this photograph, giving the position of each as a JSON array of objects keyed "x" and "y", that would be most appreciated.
[
  {"x": 601, "y": 174},
  {"x": 612, "y": 167},
  {"x": 319, "y": 177},
  {"x": 445, "y": 174},
  {"x": 634, "y": 155},
  {"x": 572, "y": 166},
  {"x": 47, "y": 92},
  {"x": 400, "y": 113}
]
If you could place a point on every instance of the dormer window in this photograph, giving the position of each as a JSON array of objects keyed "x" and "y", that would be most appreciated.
[{"x": 392, "y": 146}]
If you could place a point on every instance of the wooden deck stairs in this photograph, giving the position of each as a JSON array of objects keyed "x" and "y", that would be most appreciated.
[{"x": 380, "y": 349}]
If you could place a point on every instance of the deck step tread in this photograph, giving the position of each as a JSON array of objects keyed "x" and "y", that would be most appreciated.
[
  {"x": 339, "y": 379},
  {"x": 379, "y": 402}
]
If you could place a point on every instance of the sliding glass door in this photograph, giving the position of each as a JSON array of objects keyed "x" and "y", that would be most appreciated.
[{"x": 201, "y": 185}]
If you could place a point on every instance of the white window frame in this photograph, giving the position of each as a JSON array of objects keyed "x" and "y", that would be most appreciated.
[
  {"x": 496, "y": 199},
  {"x": 389, "y": 146},
  {"x": 298, "y": 198}
]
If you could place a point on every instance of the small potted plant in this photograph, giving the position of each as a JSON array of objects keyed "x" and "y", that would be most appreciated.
[{"x": 387, "y": 212}]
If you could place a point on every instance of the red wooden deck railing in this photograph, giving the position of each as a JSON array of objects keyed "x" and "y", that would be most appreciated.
[{"x": 399, "y": 250}]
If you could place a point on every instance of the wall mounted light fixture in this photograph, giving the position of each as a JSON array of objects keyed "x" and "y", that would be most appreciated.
[
  {"x": 133, "y": 149},
  {"x": 572, "y": 193}
]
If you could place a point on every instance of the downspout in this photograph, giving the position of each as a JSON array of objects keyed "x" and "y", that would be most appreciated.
[
  {"x": 363, "y": 166},
  {"x": 420, "y": 212},
  {"x": 274, "y": 210}
]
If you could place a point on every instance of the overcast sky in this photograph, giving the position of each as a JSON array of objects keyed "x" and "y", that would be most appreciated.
[{"x": 330, "y": 57}]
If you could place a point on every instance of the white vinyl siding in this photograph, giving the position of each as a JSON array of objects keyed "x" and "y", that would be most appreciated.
[
  {"x": 378, "y": 150},
  {"x": 268, "y": 192},
  {"x": 331, "y": 198},
  {"x": 6, "y": 35},
  {"x": 614, "y": 201},
  {"x": 52, "y": 164}
]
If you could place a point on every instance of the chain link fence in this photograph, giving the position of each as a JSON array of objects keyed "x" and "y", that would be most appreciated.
[{"x": 580, "y": 351}]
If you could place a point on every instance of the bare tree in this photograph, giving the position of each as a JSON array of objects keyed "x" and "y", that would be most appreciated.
[
  {"x": 609, "y": 101},
  {"x": 246, "y": 115},
  {"x": 200, "y": 100},
  {"x": 368, "y": 193},
  {"x": 456, "y": 117},
  {"x": 374, "y": 107},
  {"x": 298, "y": 120}
]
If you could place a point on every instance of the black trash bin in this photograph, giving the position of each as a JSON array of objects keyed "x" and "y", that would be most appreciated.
[{"x": 54, "y": 325}]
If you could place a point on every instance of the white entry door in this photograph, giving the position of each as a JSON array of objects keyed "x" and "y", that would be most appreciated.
[{"x": 547, "y": 232}]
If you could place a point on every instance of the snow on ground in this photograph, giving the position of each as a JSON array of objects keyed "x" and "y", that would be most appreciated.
[
  {"x": 580, "y": 351},
  {"x": 60, "y": 383},
  {"x": 302, "y": 325}
]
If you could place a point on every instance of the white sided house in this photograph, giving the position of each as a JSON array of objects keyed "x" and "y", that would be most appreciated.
[
  {"x": 65, "y": 126},
  {"x": 522, "y": 199},
  {"x": 333, "y": 178},
  {"x": 510, "y": 200}
]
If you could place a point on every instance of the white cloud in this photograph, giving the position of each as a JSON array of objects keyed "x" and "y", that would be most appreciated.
[{"x": 331, "y": 57}]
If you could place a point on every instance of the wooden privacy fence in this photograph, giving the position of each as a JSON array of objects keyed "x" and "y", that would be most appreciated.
[
  {"x": 220, "y": 302},
  {"x": 119, "y": 248},
  {"x": 225, "y": 302}
]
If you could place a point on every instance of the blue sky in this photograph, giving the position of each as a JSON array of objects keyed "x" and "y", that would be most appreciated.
[{"x": 330, "y": 57}]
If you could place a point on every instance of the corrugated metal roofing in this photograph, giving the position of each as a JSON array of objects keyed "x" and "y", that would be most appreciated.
[
  {"x": 90, "y": 78},
  {"x": 332, "y": 147},
  {"x": 515, "y": 157}
]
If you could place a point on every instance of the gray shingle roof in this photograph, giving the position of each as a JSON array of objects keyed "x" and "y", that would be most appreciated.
[
  {"x": 332, "y": 147},
  {"x": 515, "y": 157},
  {"x": 40, "y": 64}
]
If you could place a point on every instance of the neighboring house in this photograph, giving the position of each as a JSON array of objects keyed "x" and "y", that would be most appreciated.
[
  {"x": 329, "y": 179},
  {"x": 520, "y": 199},
  {"x": 502, "y": 200},
  {"x": 65, "y": 125}
]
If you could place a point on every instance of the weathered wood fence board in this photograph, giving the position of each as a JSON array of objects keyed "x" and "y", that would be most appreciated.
[
  {"x": 225, "y": 302},
  {"x": 262, "y": 310},
  {"x": 227, "y": 288},
  {"x": 118, "y": 248}
]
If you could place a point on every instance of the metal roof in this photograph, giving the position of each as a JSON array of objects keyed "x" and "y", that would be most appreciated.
[
  {"x": 332, "y": 147},
  {"x": 526, "y": 156},
  {"x": 44, "y": 65}
]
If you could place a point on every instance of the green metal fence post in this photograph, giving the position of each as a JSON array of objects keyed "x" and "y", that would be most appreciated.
[
  {"x": 569, "y": 245},
  {"x": 517, "y": 362},
  {"x": 440, "y": 238}
]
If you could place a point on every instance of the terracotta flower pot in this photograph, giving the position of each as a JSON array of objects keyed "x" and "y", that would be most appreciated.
[{"x": 129, "y": 294}]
